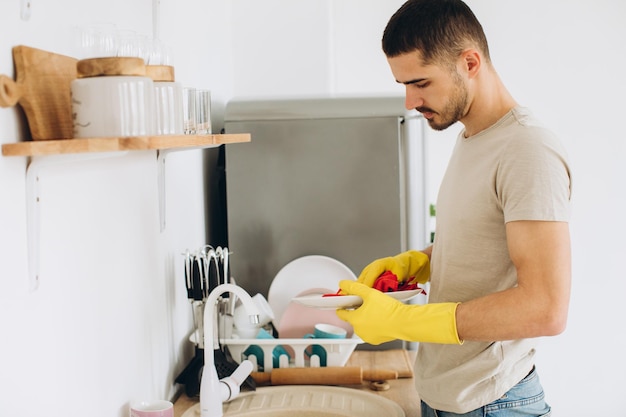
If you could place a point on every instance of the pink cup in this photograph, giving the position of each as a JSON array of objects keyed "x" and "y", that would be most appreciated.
[{"x": 159, "y": 408}]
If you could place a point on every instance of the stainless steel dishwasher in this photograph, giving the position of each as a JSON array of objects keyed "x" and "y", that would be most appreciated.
[{"x": 340, "y": 177}]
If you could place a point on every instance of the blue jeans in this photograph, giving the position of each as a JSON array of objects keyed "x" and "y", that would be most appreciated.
[{"x": 523, "y": 400}]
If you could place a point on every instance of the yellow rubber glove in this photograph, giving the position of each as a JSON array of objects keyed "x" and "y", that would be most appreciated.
[
  {"x": 382, "y": 318},
  {"x": 411, "y": 266}
]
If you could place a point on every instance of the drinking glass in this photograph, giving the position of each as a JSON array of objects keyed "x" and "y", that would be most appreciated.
[
  {"x": 189, "y": 110},
  {"x": 203, "y": 112},
  {"x": 95, "y": 41}
]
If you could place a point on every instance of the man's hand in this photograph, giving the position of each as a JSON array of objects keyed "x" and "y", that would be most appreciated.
[
  {"x": 410, "y": 266},
  {"x": 382, "y": 318}
]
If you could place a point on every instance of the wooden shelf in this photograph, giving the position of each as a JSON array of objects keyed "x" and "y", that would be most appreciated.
[
  {"x": 113, "y": 144},
  {"x": 51, "y": 152}
]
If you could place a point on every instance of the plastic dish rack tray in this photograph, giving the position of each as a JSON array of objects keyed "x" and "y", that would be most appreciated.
[{"x": 338, "y": 351}]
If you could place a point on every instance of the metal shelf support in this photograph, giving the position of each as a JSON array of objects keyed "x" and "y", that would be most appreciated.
[{"x": 34, "y": 172}]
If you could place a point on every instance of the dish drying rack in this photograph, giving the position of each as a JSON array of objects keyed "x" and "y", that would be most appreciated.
[
  {"x": 208, "y": 267},
  {"x": 338, "y": 351}
]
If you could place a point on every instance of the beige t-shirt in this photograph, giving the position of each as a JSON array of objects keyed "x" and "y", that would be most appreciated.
[{"x": 514, "y": 170}]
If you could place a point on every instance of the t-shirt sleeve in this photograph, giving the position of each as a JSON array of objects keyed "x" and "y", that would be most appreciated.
[{"x": 533, "y": 180}]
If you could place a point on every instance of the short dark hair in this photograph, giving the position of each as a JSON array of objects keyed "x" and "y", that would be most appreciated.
[{"x": 439, "y": 29}]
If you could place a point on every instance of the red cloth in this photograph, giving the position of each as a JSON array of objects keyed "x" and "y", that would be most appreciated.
[{"x": 388, "y": 282}]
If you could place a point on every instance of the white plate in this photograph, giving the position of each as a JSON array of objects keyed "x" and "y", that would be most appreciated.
[
  {"x": 348, "y": 301},
  {"x": 298, "y": 319},
  {"x": 299, "y": 275}
]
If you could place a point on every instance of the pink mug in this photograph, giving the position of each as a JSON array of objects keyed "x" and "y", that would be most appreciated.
[{"x": 159, "y": 408}]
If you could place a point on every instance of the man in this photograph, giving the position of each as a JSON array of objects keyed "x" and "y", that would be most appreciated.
[{"x": 500, "y": 264}]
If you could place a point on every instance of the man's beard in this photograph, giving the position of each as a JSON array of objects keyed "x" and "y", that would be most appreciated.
[{"x": 454, "y": 109}]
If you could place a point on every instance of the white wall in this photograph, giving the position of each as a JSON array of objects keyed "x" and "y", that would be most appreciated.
[{"x": 109, "y": 321}]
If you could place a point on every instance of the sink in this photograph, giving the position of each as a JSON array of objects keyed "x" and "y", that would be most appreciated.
[{"x": 307, "y": 401}]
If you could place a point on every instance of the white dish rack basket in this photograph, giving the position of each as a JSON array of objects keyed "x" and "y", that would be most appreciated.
[{"x": 338, "y": 351}]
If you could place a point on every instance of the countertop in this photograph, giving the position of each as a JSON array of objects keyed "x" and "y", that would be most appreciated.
[{"x": 402, "y": 391}]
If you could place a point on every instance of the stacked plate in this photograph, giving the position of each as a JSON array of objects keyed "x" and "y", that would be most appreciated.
[{"x": 307, "y": 277}]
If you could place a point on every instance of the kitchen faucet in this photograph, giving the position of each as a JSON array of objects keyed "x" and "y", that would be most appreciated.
[{"x": 213, "y": 391}]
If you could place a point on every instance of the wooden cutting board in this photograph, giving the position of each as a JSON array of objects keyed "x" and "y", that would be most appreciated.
[
  {"x": 393, "y": 359},
  {"x": 42, "y": 89}
]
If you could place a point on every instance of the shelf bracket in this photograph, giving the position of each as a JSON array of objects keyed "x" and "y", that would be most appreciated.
[
  {"x": 33, "y": 203},
  {"x": 161, "y": 156}
]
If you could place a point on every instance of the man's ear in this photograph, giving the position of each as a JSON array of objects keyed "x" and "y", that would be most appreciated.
[{"x": 471, "y": 61}]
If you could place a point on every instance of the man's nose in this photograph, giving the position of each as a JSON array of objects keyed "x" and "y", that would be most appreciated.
[{"x": 413, "y": 100}]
